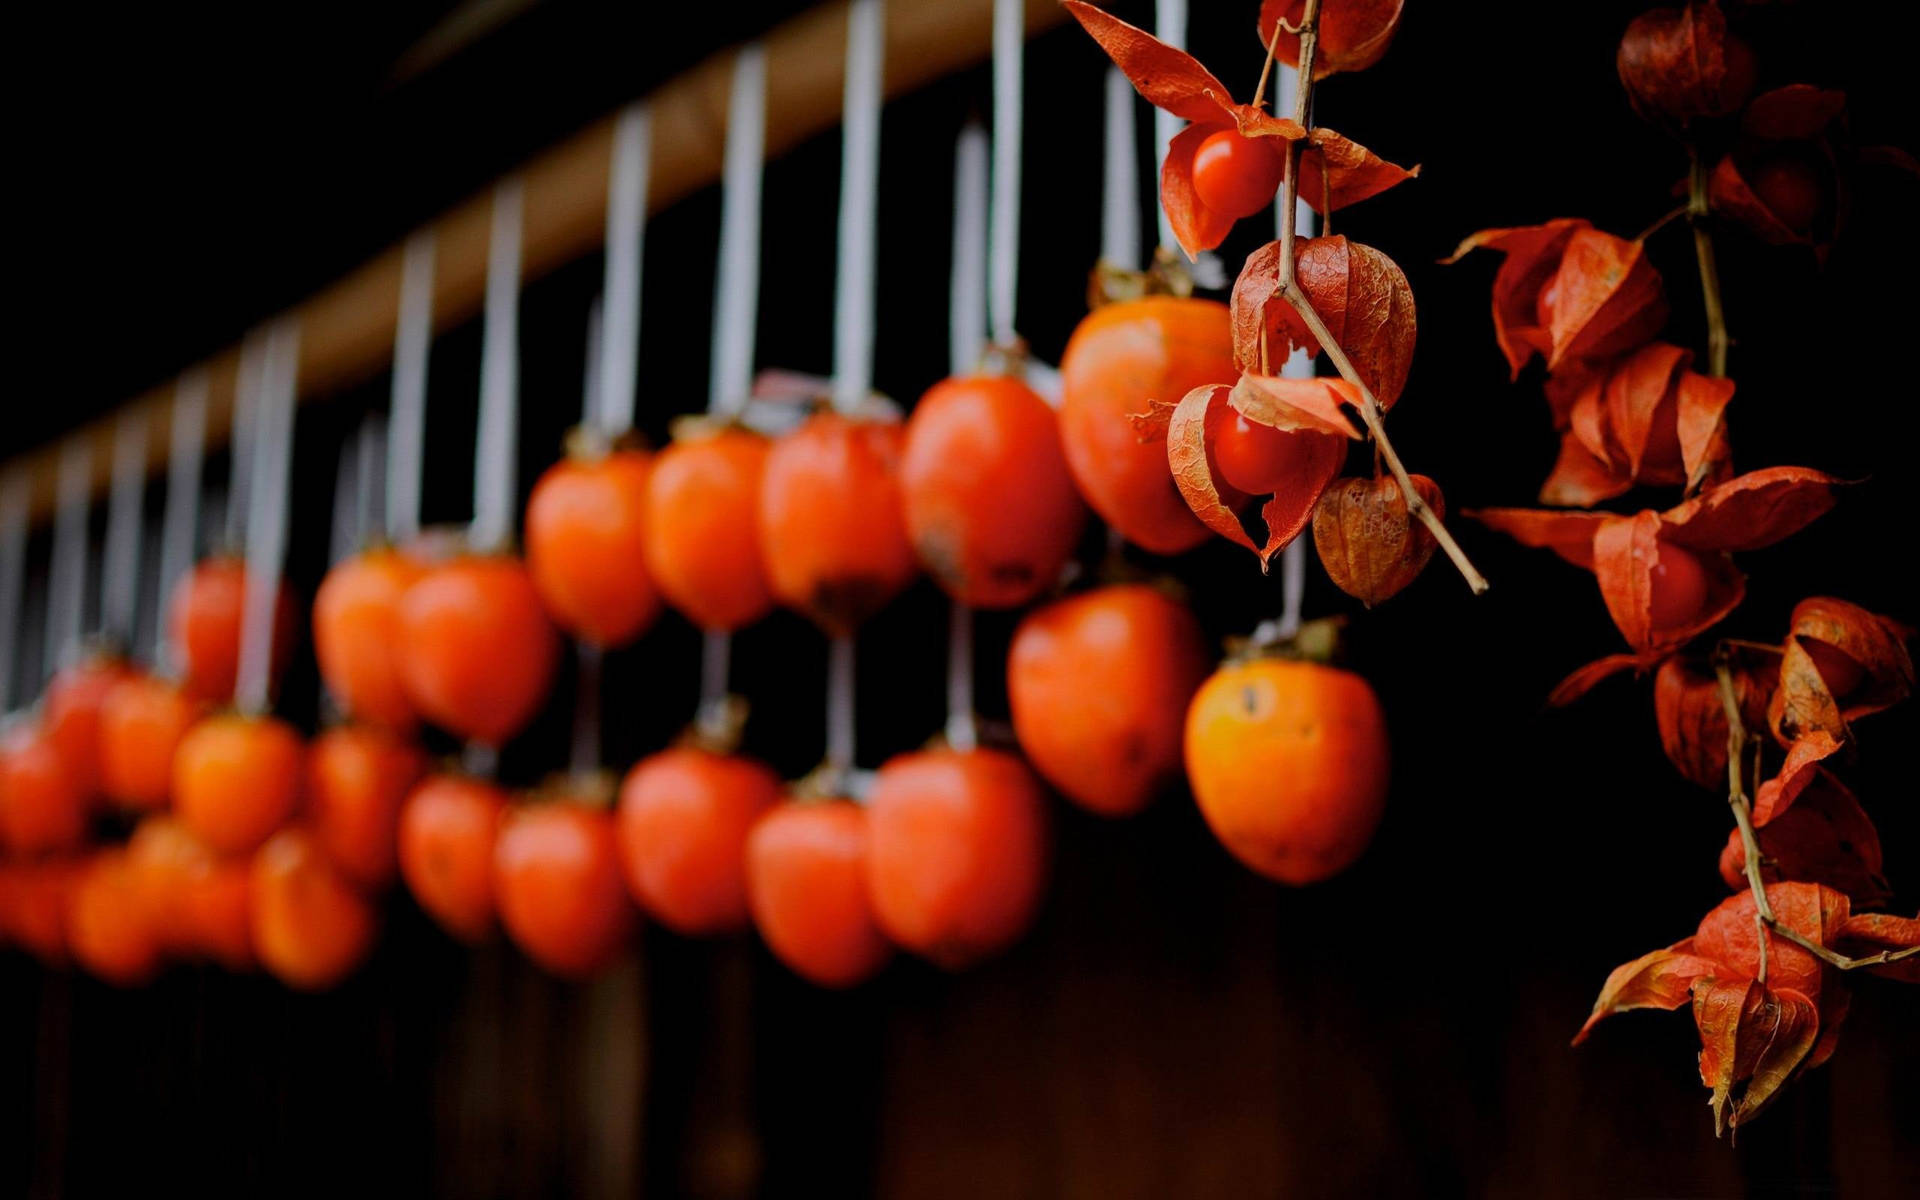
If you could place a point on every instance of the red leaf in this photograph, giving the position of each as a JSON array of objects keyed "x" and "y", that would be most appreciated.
[
  {"x": 1532, "y": 258},
  {"x": 1701, "y": 424},
  {"x": 1733, "y": 197},
  {"x": 1297, "y": 405},
  {"x": 1729, "y": 936},
  {"x": 1605, "y": 299},
  {"x": 1752, "y": 510},
  {"x": 1361, "y": 295},
  {"x": 1151, "y": 425},
  {"x": 1336, "y": 172},
  {"x": 1661, "y": 979},
  {"x": 1676, "y": 65},
  {"x": 1353, "y": 33},
  {"x": 1792, "y": 113},
  {"x": 1816, "y": 833},
  {"x": 1626, "y": 551},
  {"x": 1170, "y": 79},
  {"x": 1195, "y": 226},
  {"x": 1642, "y": 419},
  {"x": 1752, "y": 1033},
  {"x": 1692, "y": 718},
  {"x": 1585, "y": 679},
  {"x": 1579, "y": 480},
  {"x": 1568, "y": 534},
  {"x": 1777, "y": 795},
  {"x": 1836, "y": 646},
  {"x": 1286, "y": 513},
  {"x": 1368, "y": 542}
]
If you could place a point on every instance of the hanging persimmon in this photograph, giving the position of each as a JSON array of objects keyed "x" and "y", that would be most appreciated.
[
  {"x": 586, "y": 532},
  {"x": 357, "y": 778},
  {"x": 70, "y": 714},
  {"x": 356, "y": 635},
  {"x": 311, "y": 927},
  {"x": 142, "y": 722},
  {"x": 957, "y": 855},
  {"x": 447, "y": 830},
  {"x": 683, "y": 821},
  {"x": 43, "y": 809},
  {"x": 236, "y": 779},
  {"x": 703, "y": 513},
  {"x": 990, "y": 504},
  {"x": 1099, "y": 684},
  {"x": 165, "y": 857},
  {"x": 41, "y": 896},
  {"x": 1121, "y": 357},
  {"x": 556, "y": 877},
  {"x": 203, "y": 625},
  {"x": 833, "y": 530},
  {"x": 477, "y": 652},
  {"x": 219, "y": 908},
  {"x": 1288, "y": 762},
  {"x": 807, "y": 891},
  {"x": 110, "y": 929}
]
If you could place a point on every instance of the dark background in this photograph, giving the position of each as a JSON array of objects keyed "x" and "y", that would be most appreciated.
[{"x": 1174, "y": 1026}]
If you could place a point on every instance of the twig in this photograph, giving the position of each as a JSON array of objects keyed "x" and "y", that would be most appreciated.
[
  {"x": 1834, "y": 958},
  {"x": 1697, "y": 213},
  {"x": 1737, "y": 800},
  {"x": 1370, "y": 411},
  {"x": 1266, "y": 68},
  {"x": 1678, "y": 211}
]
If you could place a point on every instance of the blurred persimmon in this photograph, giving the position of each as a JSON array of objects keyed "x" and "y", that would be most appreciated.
[
  {"x": 40, "y": 896},
  {"x": 556, "y": 876},
  {"x": 807, "y": 891},
  {"x": 219, "y": 912},
  {"x": 70, "y": 714},
  {"x": 477, "y": 652},
  {"x": 586, "y": 545},
  {"x": 165, "y": 857},
  {"x": 357, "y": 778},
  {"x": 311, "y": 927},
  {"x": 110, "y": 929},
  {"x": 142, "y": 721},
  {"x": 203, "y": 624},
  {"x": 683, "y": 821},
  {"x": 1098, "y": 684},
  {"x": 356, "y": 631},
  {"x": 957, "y": 860},
  {"x": 1289, "y": 763},
  {"x": 703, "y": 515},
  {"x": 447, "y": 829},
  {"x": 43, "y": 809},
  {"x": 236, "y": 779}
]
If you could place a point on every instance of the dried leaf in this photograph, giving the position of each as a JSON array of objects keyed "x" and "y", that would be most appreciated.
[
  {"x": 1661, "y": 979},
  {"x": 1336, "y": 171},
  {"x": 1579, "y": 480},
  {"x": 1297, "y": 405},
  {"x": 1816, "y": 833},
  {"x": 1701, "y": 421},
  {"x": 1692, "y": 718},
  {"x": 1626, "y": 551},
  {"x": 1750, "y": 511},
  {"x": 1642, "y": 419},
  {"x": 1834, "y": 646},
  {"x": 1796, "y": 112},
  {"x": 1361, "y": 295},
  {"x": 1368, "y": 542},
  {"x": 1151, "y": 425},
  {"x": 1729, "y": 936},
  {"x": 1568, "y": 534},
  {"x": 1585, "y": 679},
  {"x": 1353, "y": 33},
  {"x": 1676, "y": 65},
  {"x": 1286, "y": 513},
  {"x": 1804, "y": 757},
  {"x": 1170, "y": 79},
  {"x": 1752, "y": 1033},
  {"x": 1734, "y": 198}
]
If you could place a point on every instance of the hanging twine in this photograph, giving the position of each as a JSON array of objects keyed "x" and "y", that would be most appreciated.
[
  {"x": 266, "y": 540},
  {"x": 13, "y": 580},
  {"x": 180, "y": 518},
  {"x": 494, "y": 483},
  {"x": 617, "y": 375},
  {"x": 67, "y": 574},
  {"x": 407, "y": 412}
]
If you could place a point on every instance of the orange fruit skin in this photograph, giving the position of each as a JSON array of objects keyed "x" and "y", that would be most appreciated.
[
  {"x": 356, "y": 632},
  {"x": 703, "y": 514},
  {"x": 70, "y": 715},
  {"x": 1098, "y": 684},
  {"x": 142, "y": 721},
  {"x": 990, "y": 504},
  {"x": 110, "y": 929},
  {"x": 447, "y": 830},
  {"x": 683, "y": 821},
  {"x": 556, "y": 874},
  {"x": 311, "y": 927},
  {"x": 42, "y": 808},
  {"x": 807, "y": 891},
  {"x": 219, "y": 907},
  {"x": 357, "y": 778},
  {"x": 237, "y": 779},
  {"x": 1289, "y": 764},
  {"x": 165, "y": 857},
  {"x": 38, "y": 897},
  {"x": 203, "y": 624},
  {"x": 586, "y": 535},
  {"x": 833, "y": 533},
  {"x": 1120, "y": 357},
  {"x": 477, "y": 652},
  {"x": 957, "y": 863}
]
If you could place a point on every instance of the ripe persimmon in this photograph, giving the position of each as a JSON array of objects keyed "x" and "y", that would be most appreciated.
[
  {"x": 1120, "y": 357},
  {"x": 219, "y": 912},
  {"x": 833, "y": 532},
  {"x": 556, "y": 875},
  {"x": 1289, "y": 765},
  {"x": 356, "y": 632},
  {"x": 1099, "y": 684},
  {"x": 43, "y": 809},
  {"x": 586, "y": 545},
  {"x": 41, "y": 897},
  {"x": 703, "y": 519},
  {"x": 357, "y": 778},
  {"x": 142, "y": 721},
  {"x": 447, "y": 829},
  {"x": 990, "y": 504},
  {"x": 477, "y": 652},
  {"x": 165, "y": 858},
  {"x": 236, "y": 779},
  {"x": 807, "y": 891},
  {"x": 1237, "y": 176},
  {"x": 203, "y": 624},
  {"x": 110, "y": 929},
  {"x": 311, "y": 927},
  {"x": 957, "y": 860},
  {"x": 70, "y": 715},
  {"x": 683, "y": 821}
]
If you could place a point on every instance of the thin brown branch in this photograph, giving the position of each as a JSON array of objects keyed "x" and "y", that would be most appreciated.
[
  {"x": 1697, "y": 214},
  {"x": 1834, "y": 958},
  {"x": 1674, "y": 214},
  {"x": 1737, "y": 798},
  {"x": 1266, "y": 68}
]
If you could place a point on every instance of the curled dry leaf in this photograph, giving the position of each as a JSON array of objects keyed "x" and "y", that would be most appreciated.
[
  {"x": 1753, "y": 1034},
  {"x": 1692, "y": 718},
  {"x": 1657, "y": 979},
  {"x": 1336, "y": 171},
  {"x": 1361, "y": 295},
  {"x": 1811, "y": 828},
  {"x": 1368, "y": 542},
  {"x": 1642, "y": 419},
  {"x": 1353, "y": 33},
  {"x": 1781, "y": 179},
  {"x": 1569, "y": 292},
  {"x": 1681, "y": 64},
  {"x": 1841, "y": 663}
]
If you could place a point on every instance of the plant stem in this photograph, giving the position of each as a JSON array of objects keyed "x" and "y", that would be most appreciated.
[
  {"x": 1834, "y": 958},
  {"x": 1737, "y": 800},
  {"x": 1697, "y": 213},
  {"x": 1370, "y": 411}
]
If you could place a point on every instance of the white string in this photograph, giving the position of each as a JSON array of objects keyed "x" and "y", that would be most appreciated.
[
  {"x": 412, "y": 343},
  {"x": 1120, "y": 195},
  {"x": 967, "y": 296},
  {"x": 267, "y": 515},
  {"x": 840, "y": 704},
  {"x": 1009, "y": 46},
  {"x": 494, "y": 482},
  {"x": 370, "y": 449},
  {"x": 67, "y": 574},
  {"x": 596, "y": 363},
  {"x": 345, "y": 535},
  {"x": 246, "y": 399},
  {"x": 180, "y": 519},
  {"x": 1170, "y": 26},
  {"x": 120, "y": 561},
  {"x": 1299, "y": 365},
  {"x": 13, "y": 578},
  {"x": 618, "y": 373},
  {"x": 963, "y": 724},
  {"x": 859, "y": 202},
  {"x": 716, "y": 660},
  {"x": 736, "y": 299}
]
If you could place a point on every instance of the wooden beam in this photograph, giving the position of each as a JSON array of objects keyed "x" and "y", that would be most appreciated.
[{"x": 347, "y": 329}]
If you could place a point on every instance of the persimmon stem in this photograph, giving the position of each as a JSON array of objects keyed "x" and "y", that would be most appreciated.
[
  {"x": 1737, "y": 799},
  {"x": 1697, "y": 213},
  {"x": 1371, "y": 413},
  {"x": 1266, "y": 68},
  {"x": 1834, "y": 958}
]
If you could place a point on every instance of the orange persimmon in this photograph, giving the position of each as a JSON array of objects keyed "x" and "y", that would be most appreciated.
[
  {"x": 556, "y": 874},
  {"x": 70, "y": 715},
  {"x": 703, "y": 514},
  {"x": 807, "y": 891},
  {"x": 447, "y": 829},
  {"x": 477, "y": 652},
  {"x": 356, "y": 634},
  {"x": 311, "y": 927},
  {"x": 203, "y": 625},
  {"x": 236, "y": 779},
  {"x": 683, "y": 821},
  {"x": 586, "y": 536},
  {"x": 142, "y": 721},
  {"x": 110, "y": 929},
  {"x": 43, "y": 809},
  {"x": 357, "y": 778}
]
